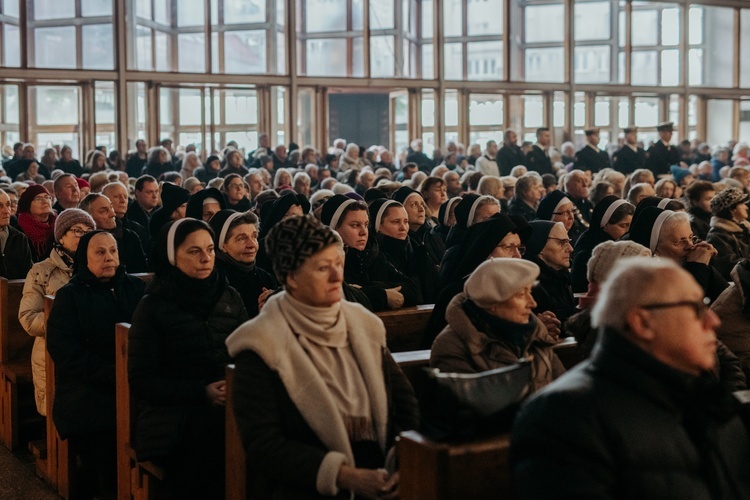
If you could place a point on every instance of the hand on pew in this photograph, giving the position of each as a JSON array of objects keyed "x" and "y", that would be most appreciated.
[
  {"x": 368, "y": 483},
  {"x": 217, "y": 393},
  {"x": 395, "y": 298}
]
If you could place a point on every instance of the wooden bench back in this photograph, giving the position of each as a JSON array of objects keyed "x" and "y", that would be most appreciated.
[
  {"x": 404, "y": 327},
  {"x": 236, "y": 460},
  {"x": 569, "y": 352},
  {"x": 413, "y": 364},
  {"x": 14, "y": 341},
  {"x": 146, "y": 277},
  {"x": 122, "y": 394}
]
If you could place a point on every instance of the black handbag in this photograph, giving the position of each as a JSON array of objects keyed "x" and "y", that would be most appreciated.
[{"x": 465, "y": 405}]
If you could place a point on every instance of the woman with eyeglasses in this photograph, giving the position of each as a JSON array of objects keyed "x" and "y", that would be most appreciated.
[
  {"x": 236, "y": 193},
  {"x": 557, "y": 207},
  {"x": 730, "y": 229},
  {"x": 45, "y": 278},
  {"x": 37, "y": 220},
  {"x": 549, "y": 247}
]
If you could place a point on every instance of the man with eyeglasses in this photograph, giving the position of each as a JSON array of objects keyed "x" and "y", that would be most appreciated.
[
  {"x": 15, "y": 253},
  {"x": 643, "y": 418}
]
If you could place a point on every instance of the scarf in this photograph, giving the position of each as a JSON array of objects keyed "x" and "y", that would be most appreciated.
[
  {"x": 241, "y": 266},
  {"x": 499, "y": 329},
  {"x": 41, "y": 234},
  {"x": 199, "y": 296},
  {"x": 322, "y": 333}
]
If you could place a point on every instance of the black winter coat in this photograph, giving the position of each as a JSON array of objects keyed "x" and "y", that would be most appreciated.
[
  {"x": 712, "y": 282},
  {"x": 537, "y": 160},
  {"x": 731, "y": 241},
  {"x": 508, "y": 157},
  {"x": 519, "y": 207},
  {"x": 81, "y": 342},
  {"x": 413, "y": 261},
  {"x": 130, "y": 248},
  {"x": 205, "y": 175},
  {"x": 15, "y": 260},
  {"x": 176, "y": 348},
  {"x": 623, "y": 425},
  {"x": 554, "y": 292},
  {"x": 583, "y": 250},
  {"x": 249, "y": 282}
]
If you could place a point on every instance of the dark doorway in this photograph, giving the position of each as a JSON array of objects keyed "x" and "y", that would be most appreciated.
[{"x": 359, "y": 118}]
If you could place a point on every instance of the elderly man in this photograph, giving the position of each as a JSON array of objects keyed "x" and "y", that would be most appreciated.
[
  {"x": 67, "y": 192},
  {"x": 365, "y": 180},
  {"x": 590, "y": 157},
  {"x": 128, "y": 243},
  {"x": 146, "y": 201},
  {"x": 487, "y": 163},
  {"x": 118, "y": 195},
  {"x": 641, "y": 419},
  {"x": 577, "y": 188},
  {"x": 452, "y": 184},
  {"x": 416, "y": 155},
  {"x": 15, "y": 254},
  {"x": 386, "y": 161},
  {"x": 510, "y": 154}
]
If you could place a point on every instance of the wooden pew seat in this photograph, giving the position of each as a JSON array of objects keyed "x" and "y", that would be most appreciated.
[
  {"x": 569, "y": 352},
  {"x": 404, "y": 327},
  {"x": 413, "y": 364}
]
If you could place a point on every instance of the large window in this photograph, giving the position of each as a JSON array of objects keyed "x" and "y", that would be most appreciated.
[
  {"x": 55, "y": 117},
  {"x": 473, "y": 39},
  {"x": 538, "y": 54}
]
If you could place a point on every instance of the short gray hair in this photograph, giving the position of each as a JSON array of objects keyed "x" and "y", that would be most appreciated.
[
  {"x": 669, "y": 223},
  {"x": 630, "y": 284}
]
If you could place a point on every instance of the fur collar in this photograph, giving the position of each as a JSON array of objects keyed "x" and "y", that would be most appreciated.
[
  {"x": 729, "y": 226},
  {"x": 269, "y": 336}
]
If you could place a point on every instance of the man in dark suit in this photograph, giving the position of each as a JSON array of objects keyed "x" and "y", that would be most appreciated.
[
  {"x": 662, "y": 155},
  {"x": 590, "y": 157},
  {"x": 510, "y": 154},
  {"x": 629, "y": 157},
  {"x": 538, "y": 158}
]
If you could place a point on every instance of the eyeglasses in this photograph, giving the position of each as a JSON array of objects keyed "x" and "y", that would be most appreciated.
[
  {"x": 700, "y": 307},
  {"x": 512, "y": 248},
  {"x": 562, "y": 241},
  {"x": 78, "y": 232},
  {"x": 570, "y": 213},
  {"x": 42, "y": 198}
]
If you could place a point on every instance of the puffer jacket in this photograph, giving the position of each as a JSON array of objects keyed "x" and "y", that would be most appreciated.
[
  {"x": 462, "y": 348},
  {"x": 44, "y": 278},
  {"x": 733, "y": 307},
  {"x": 732, "y": 242}
]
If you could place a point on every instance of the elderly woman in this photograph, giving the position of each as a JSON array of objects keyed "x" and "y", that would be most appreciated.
[
  {"x": 177, "y": 359},
  {"x": 318, "y": 398},
  {"x": 81, "y": 342},
  {"x": 236, "y": 244},
  {"x": 190, "y": 162},
  {"x": 236, "y": 193},
  {"x": 45, "y": 278},
  {"x": 528, "y": 193},
  {"x": 558, "y": 207},
  {"x": 491, "y": 325},
  {"x": 282, "y": 178},
  {"x": 31, "y": 173},
  {"x": 730, "y": 230},
  {"x": 37, "y": 221},
  {"x": 235, "y": 164}
]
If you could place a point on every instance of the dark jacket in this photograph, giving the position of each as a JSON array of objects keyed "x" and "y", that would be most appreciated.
[
  {"x": 627, "y": 161},
  {"x": 15, "y": 260},
  {"x": 155, "y": 170},
  {"x": 176, "y": 348},
  {"x": 732, "y": 242},
  {"x": 661, "y": 157},
  {"x": 589, "y": 159},
  {"x": 130, "y": 247},
  {"x": 242, "y": 171},
  {"x": 709, "y": 279},
  {"x": 508, "y": 157},
  {"x": 72, "y": 167},
  {"x": 134, "y": 165},
  {"x": 136, "y": 214},
  {"x": 537, "y": 160},
  {"x": 623, "y": 425},
  {"x": 412, "y": 261},
  {"x": 138, "y": 229},
  {"x": 249, "y": 281},
  {"x": 554, "y": 292},
  {"x": 583, "y": 250},
  {"x": 700, "y": 222},
  {"x": 81, "y": 342},
  {"x": 205, "y": 175},
  {"x": 520, "y": 208}
]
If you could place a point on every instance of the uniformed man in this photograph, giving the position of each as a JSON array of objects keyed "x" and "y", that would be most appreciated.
[
  {"x": 629, "y": 157},
  {"x": 510, "y": 154},
  {"x": 662, "y": 155},
  {"x": 538, "y": 158},
  {"x": 590, "y": 157}
]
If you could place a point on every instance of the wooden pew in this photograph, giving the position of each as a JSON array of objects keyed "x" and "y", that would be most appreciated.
[
  {"x": 569, "y": 352},
  {"x": 475, "y": 469},
  {"x": 15, "y": 362},
  {"x": 236, "y": 460},
  {"x": 413, "y": 363},
  {"x": 138, "y": 480},
  {"x": 404, "y": 327}
]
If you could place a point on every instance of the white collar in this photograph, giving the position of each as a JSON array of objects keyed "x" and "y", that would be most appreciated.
[
  {"x": 633, "y": 147},
  {"x": 595, "y": 148},
  {"x": 665, "y": 143}
]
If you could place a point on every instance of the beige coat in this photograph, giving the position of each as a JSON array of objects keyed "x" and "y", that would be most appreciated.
[
  {"x": 44, "y": 278},
  {"x": 461, "y": 348}
]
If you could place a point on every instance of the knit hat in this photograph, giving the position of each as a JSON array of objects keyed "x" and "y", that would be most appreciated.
[
  {"x": 722, "y": 201},
  {"x": 294, "y": 240},
  {"x": 24, "y": 202},
  {"x": 496, "y": 280},
  {"x": 69, "y": 218},
  {"x": 404, "y": 192},
  {"x": 82, "y": 183},
  {"x": 646, "y": 228},
  {"x": 333, "y": 210},
  {"x": 377, "y": 211},
  {"x": 173, "y": 196},
  {"x": 551, "y": 203},
  {"x": 605, "y": 256},
  {"x": 540, "y": 230},
  {"x": 195, "y": 204},
  {"x": 679, "y": 173}
]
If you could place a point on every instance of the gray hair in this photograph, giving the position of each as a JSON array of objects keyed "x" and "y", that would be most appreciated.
[
  {"x": 489, "y": 185},
  {"x": 85, "y": 204},
  {"x": 669, "y": 224}
]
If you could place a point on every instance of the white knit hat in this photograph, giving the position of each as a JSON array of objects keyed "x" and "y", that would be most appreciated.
[
  {"x": 497, "y": 280},
  {"x": 607, "y": 254}
]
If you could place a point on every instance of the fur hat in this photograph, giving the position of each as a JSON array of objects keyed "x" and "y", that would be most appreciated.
[
  {"x": 69, "y": 218},
  {"x": 723, "y": 201},
  {"x": 496, "y": 280}
]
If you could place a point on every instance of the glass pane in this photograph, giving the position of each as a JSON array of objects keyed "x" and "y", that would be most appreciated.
[
  {"x": 717, "y": 60},
  {"x": 692, "y": 111},
  {"x": 744, "y": 121},
  {"x": 428, "y": 62},
  {"x": 579, "y": 110},
  {"x": 485, "y": 60},
  {"x": 280, "y": 54},
  {"x": 143, "y": 59},
  {"x": 247, "y": 141},
  {"x": 451, "y": 109},
  {"x": 191, "y": 13},
  {"x": 670, "y": 26},
  {"x": 428, "y": 109},
  {"x": 674, "y": 109},
  {"x": 143, "y": 8},
  {"x": 545, "y": 65},
  {"x": 551, "y": 17},
  {"x": 695, "y": 66},
  {"x": 592, "y": 21},
  {"x": 280, "y": 12},
  {"x": 744, "y": 48},
  {"x": 718, "y": 120},
  {"x": 644, "y": 30},
  {"x": 533, "y": 115},
  {"x": 55, "y": 47},
  {"x": 670, "y": 67},
  {"x": 326, "y": 57},
  {"x": 165, "y": 106},
  {"x": 56, "y": 105},
  {"x": 601, "y": 112},
  {"x": 695, "y": 19},
  {"x": 10, "y": 8},
  {"x": 358, "y": 57},
  {"x": 162, "y": 52},
  {"x": 381, "y": 14},
  {"x": 161, "y": 11},
  {"x": 91, "y": 8},
  {"x": 98, "y": 46},
  {"x": 623, "y": 112},
  {"x": 190, "y": 107},
  {"x": 241, "y": 107},
  {"x": 245, "y": 52},
  {"x": 646, "y": 112},
  {"x": 104, "y": 103},
  {"x": 485, "y": 110},
  {"x": 558, "y": 110},
  {"x": 11, "y": 104},
  {"x": 592, "y": 64},
  {"x": 643, "y": 68},
  {"x": 382, "y": 58},
  {"x": 248, "y": 11},
  {"x": 325, "y": 15},
  {"x": 215, "y": 52},
  {"x": 358, "y": 8},
  {"x": 44, "y": 141},
  {"x": 12, "y": 48},
  {"x": 191, "y": 49},
  {"x": 486, "y": 17},
  {"x": 453, "y": 61},
  {"x": 453, "y": 17},
  {"x": 427, "y": 19},
  {"x": 54, "y": 9}
]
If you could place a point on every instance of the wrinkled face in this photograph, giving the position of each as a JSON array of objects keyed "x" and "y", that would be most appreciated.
[
  {"x": 617, "y": 230},
  {"x": 41, "y": 206},
  {"x": 565, "y": 213},
  {"x": 72, "y": 237},
  {"x": 453, "y": 184},
  {"x": 386, "y": 157},
  {"x": 195, "y": 256},
  {"x": 509, "y": 247},
  {"x": 242, "y": 243},
  {"x": 739, "y": 213},
  {"x": 578, "y": 186},
  {"x": 148, "y": 198},
  {"x": 516, "y": 309},
  {"x": 414, "y": 205},
  {"x": 676, "y": 243},
  {"x": 366, "y": 179},
  {"x": 5, "y": 210},
  {"x": 485, "y": 211},
  {"x": 235, "y": 190},
  {"x": 256, "y": 185},
  {"x": 353, "y": 229},
  {"x": 119, "y": 197},
  {"x": 103, "y": 258},
  {"x": 280, "y": 152},
  {"x": 704, "y": 203},
  {"x": 103, "y": 212},
  {"x": 317, "y": 282},
  {"x": 209, "y": 210},
  {"x": 68, "y": 193},
  {"x": 13, "y": 203},
  {"x": 395, "y": 223},
  {"x": 556, "y": 253}
]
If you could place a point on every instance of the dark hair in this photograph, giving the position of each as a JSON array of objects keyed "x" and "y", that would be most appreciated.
[
  {"x": 697, "y": 189},
  {"x": 411, "y": 164},
  {"x": 245, "y": 218},
  {"x": 263, "y": 159},
  {"x": 352, "y": 207},
  {"x": 549, "y": 180},
  {"x": 143, "y": 180},
  {"x": 473, "y": 181},
  {"x": 599, "y": 191},
  {"x": 429, "y": 182},
  {"x": 621, "y": 212},
  {"x": 542, "y": 129},
  {"x": 170, "y": 176},
  {"x": 229, "y": 178},
  {"x": 675, "y": 205}
]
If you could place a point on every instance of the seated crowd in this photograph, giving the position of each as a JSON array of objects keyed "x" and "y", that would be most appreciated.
[{"x": 278, "y": 260}]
